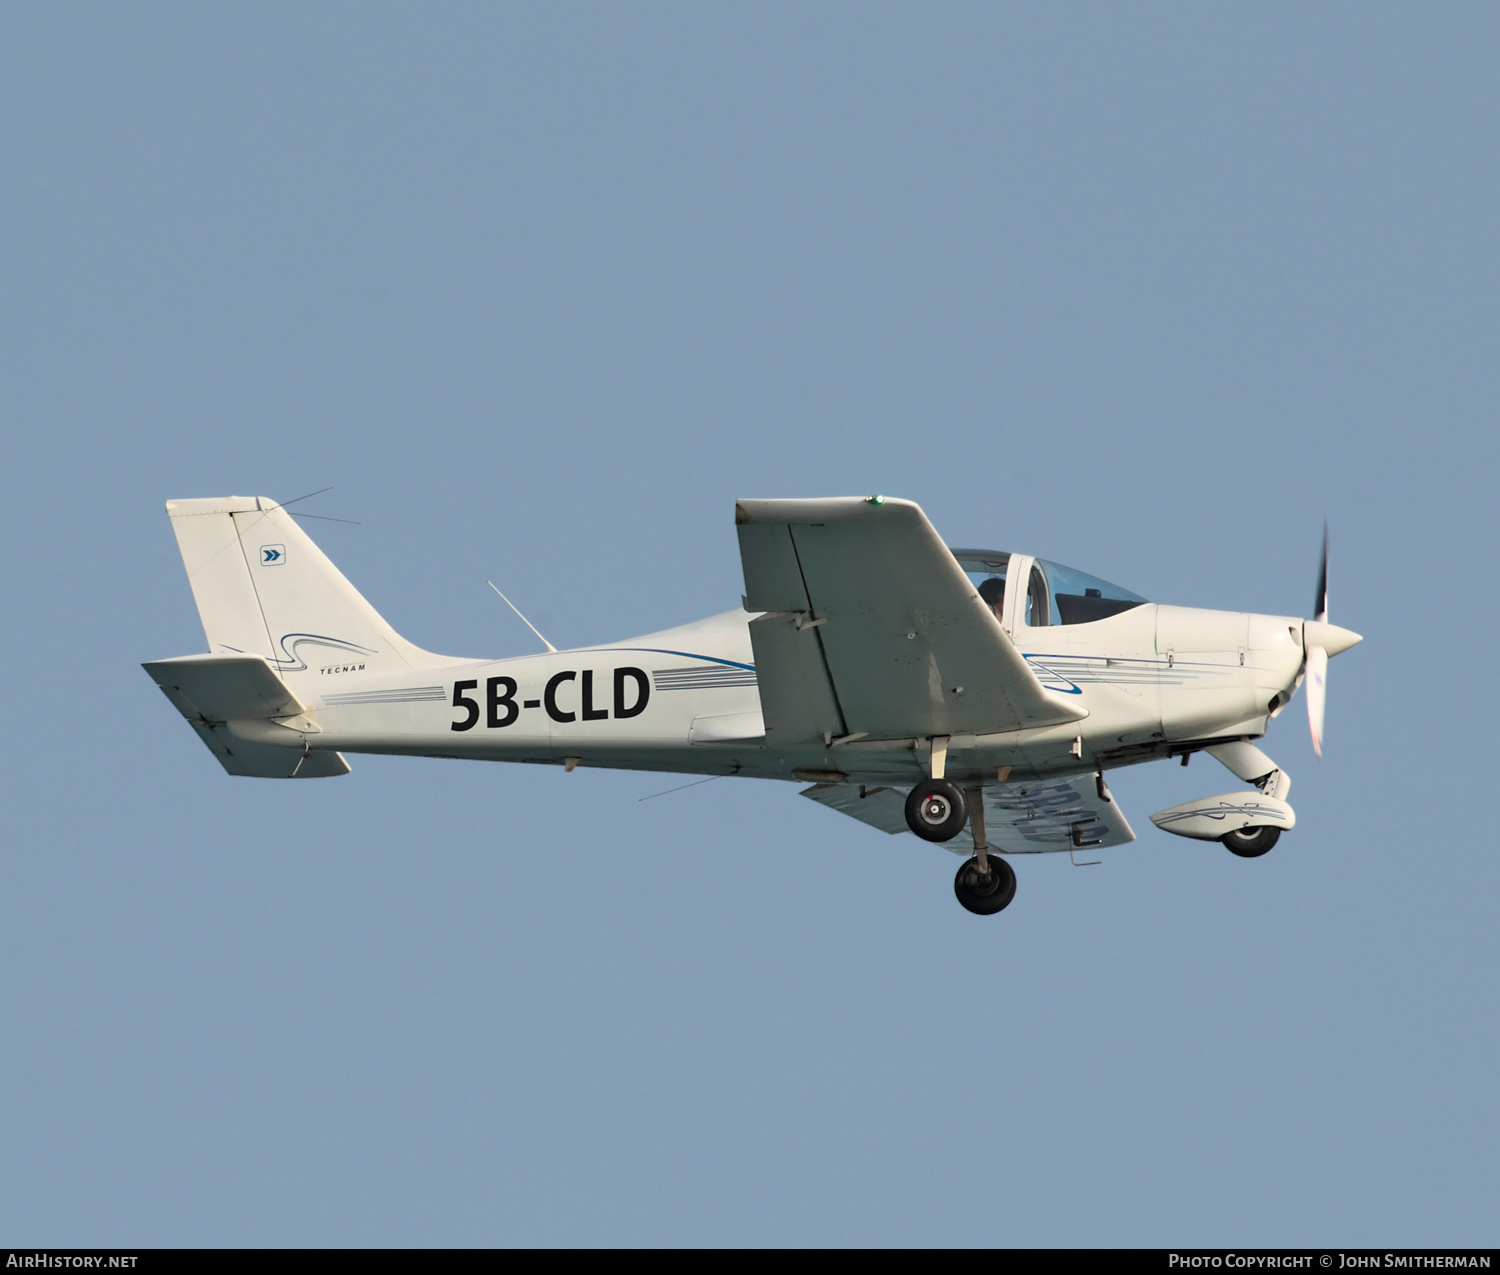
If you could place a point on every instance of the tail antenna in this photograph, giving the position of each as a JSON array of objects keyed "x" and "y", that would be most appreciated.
[
  {"x": 320, "y": 517},
  {"x": 524, "y": 620}
]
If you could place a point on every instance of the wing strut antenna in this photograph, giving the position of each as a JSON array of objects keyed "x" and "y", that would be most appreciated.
[{"x": 524, "y": 620}]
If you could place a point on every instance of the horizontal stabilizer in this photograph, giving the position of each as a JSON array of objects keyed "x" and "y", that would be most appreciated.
[
  {"x": 212, "y": 690},
  {"x": 224, "y": 687}
]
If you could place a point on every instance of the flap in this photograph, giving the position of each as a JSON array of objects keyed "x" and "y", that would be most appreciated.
[
  {"x": 882, "y": 623},
  {"x": 796, "y": 695}
]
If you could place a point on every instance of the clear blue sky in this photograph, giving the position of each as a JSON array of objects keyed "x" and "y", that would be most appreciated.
[{"x": 1146, "y": 289}]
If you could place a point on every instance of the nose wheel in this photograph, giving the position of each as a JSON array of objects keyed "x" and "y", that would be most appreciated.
[
  {"x": 935, "y": 810},
  {"x": 985, "y": 893},
  {"x": 1251, "y": 843}
]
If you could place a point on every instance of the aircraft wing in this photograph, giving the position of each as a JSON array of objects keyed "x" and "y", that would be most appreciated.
[
  {"x": 1029, "y": 817},
  {"x": 1035, "y": 816},
  {"x": 873, "y": 629},
  {"x": 883, "y": 808}
]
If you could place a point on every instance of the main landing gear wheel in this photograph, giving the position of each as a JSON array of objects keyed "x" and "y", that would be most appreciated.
[
  {"x": 1251, "y": 843},
  {"x": 935, "y": 810},
  {"x": 985, "y": 895}
]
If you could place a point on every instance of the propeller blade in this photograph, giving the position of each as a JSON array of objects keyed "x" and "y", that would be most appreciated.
[
  {"x": 1320, "y": 607},
  {"x": 1317, "y": 694}
]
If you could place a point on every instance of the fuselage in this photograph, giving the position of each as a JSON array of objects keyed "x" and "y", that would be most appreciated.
[{"x": 1155, "y": 680}]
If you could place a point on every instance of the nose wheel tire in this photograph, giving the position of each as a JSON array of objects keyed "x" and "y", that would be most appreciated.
[
  {"x": 985, "y": 895},
  {"x": 935, "y": 810},
  {"x": 1251, "y": 843}
]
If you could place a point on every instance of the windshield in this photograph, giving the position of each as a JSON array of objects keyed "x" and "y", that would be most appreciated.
[
  {"x": 1067, "y": 596},
  {"x": 1055, "y": 594}
]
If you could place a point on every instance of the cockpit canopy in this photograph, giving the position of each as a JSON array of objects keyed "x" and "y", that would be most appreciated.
[{"x": 1055, "y": 594}]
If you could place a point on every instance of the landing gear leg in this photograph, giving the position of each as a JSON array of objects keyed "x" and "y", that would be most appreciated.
[
  {"x": 974, "y": 797},
  {"x": 984, "y": 885}
]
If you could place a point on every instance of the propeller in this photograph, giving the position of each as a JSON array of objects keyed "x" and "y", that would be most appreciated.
[
  {"x": 1320, "y": 640},
  {"x": 1316, "y": 657},
  {"x": 1317, "y": 694}
]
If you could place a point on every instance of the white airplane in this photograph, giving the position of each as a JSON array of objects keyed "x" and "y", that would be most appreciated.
[{"x": 913, "y": 686}]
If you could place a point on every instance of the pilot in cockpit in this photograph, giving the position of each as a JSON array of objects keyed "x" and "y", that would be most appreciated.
[{"x": 993, "y": 592}]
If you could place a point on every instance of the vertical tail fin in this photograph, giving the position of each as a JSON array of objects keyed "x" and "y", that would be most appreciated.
[{"x": 264, "y": 588}]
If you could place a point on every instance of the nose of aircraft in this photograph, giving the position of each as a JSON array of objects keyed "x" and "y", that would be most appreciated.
[{"x": 1330, "y": 637}]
